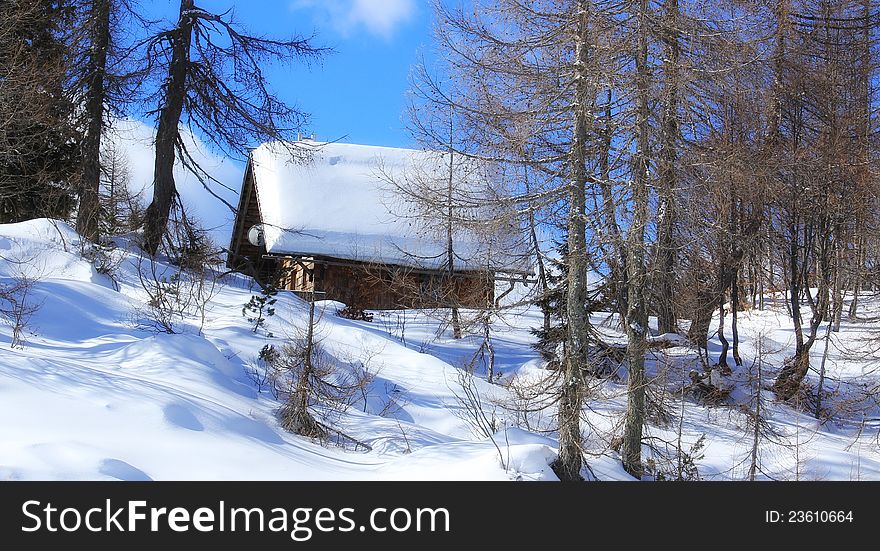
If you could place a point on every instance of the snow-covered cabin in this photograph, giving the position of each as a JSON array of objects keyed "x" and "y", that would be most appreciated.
[{"x": 329, "y": 217}]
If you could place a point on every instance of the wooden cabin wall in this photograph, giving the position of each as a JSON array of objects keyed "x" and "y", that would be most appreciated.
[
  {"x": 371, "y": 287},
  {"x": 244, "y": 256},
  {"x": 296, "y": 276}
]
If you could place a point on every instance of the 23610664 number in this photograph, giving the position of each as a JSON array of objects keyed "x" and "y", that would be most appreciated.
[
  {"x": 819, "y": 516},
  {"x": 814, "y": 516}
]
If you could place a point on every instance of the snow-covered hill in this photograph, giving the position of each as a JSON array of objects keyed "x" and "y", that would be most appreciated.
[{"x": 92, "y": 392}]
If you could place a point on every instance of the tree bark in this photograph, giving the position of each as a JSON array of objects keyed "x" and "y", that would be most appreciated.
[
  {"x": 539, "y": 257},
  {"x": 725, "y": 345},
  {"x": 756, "y": 435},
  {"x": 665, "y": 277},
  {"x": 791, "y": 375},
  {"x": 637, "y": 313},
  {"x": 570, "y": 461},
  {"x": 616, "y": 261},
  {"x": 734, "y": 312},
  {"x": 865, "y": 174},
  {"x": 167, "y": 135},
  {"x": 88, "y": 213},
  {"x": 857, "y": 275},
  {"x": 450, "y": 252},
  {"x": 837, "y": 285}
]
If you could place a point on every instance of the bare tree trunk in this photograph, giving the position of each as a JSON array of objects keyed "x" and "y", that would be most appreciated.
[
  {"x": 637, "y": 312},
  {"x": 819, "y": 388},
  {"x": 756, "y": 435},
  {"x": 489, "y": 347},
  {"x": 760, "y": 267},
  {"x": 795, "y": 371},
  {"x": 725, "y": 345},
  {"x": 734, "y": 310},
  {"x": 783, "y": 385},
  {"x": 570, "y": 461},
  {"x": 753, "y": 277},
  {"x": 837, "y": 285},
  {"x": 701, "y": 319},
  {"x": 450, "y": 253},
  {"x": 99, "y": 36},
  {"x": 616, "y": 261},
  {"x": 296, "y": 416},
  {"x": 539, "y": 257},
  {"x": 791, "y": 375},
  {"x": 771, "y": 281},
  {"x": 167, "y": 135},
  {"x": 857, "y": 275},
  {"x": 308, "y": 354},
  {"x": 865, "y": 174},
  {"x": 665, "y": 277},
  {"x": 774, "y": 134}
]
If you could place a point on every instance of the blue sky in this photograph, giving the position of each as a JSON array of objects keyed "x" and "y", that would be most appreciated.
[{"x": 356, "y": 93}]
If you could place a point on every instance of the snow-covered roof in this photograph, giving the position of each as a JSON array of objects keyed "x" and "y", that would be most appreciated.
[{"x": 340, "y": 203}]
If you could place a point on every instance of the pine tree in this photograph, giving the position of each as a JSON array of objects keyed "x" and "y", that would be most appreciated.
[
  {"x": 260, "y": 307},
  {"x": 551, "y": 338},
  {"x": 39, "y": 157}
]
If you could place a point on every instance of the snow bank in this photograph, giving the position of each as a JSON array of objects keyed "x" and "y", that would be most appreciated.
[{"x": 90, "y": 396}]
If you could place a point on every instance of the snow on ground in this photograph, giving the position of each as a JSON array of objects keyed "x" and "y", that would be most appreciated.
[{"x": 94, "y": 392}]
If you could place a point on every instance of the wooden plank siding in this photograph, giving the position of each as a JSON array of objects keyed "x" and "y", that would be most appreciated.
[
  {"x": 244, "y": 256},
  {"x": 379, "y": 287}
]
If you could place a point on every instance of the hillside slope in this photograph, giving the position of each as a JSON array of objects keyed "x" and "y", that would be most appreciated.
[{"x": 94, "y": 392}]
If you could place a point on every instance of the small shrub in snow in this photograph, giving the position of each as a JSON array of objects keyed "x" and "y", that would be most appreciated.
[
  {"x": 180, "y": 292},
  {"x": 174, "y": 297},
  {"x": 188, "y": 245},
  {"x": 17, "y": 308},
  {"x": 310, "y": 379},
  {"x": 103, "y": 258},
  {"x": 676, "y": 463},
  {"x": 708, "y": 388},
  {"x": 480, "y": 413},
  {"x": 352, "y": 313},
  {"x": 260, "y": 307}
]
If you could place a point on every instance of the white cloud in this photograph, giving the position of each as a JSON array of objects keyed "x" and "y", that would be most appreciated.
[{"x": 379, "y": 17}]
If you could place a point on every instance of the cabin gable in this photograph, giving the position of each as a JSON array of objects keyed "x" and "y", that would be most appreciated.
[{"x": 326, "y": 226}]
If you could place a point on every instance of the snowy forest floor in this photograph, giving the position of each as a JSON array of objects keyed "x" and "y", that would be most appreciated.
[{"x": 90, "y": 390}]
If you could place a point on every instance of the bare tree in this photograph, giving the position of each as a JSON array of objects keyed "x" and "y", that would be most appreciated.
[
  {"x": 637, "y": 309},
  {"x": 667, "y": 180},
  {"x": 17, "y": 306},
  {"x": 311, "y": 379},
  {"x": 120, "y": 208},
  {"x": 214, "y": 83},
  {"x": 308, "y": 369}
]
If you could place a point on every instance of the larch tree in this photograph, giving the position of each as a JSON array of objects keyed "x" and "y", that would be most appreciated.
[
  {"x": 526, "y": 76},
  {"x": 637, "y": 309},
  {"x": 822, "y": 119},
  {"x": 95, "y": 97},
  {"x": 668, "y": 175},
  {"x": 214, "y": 84}
]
